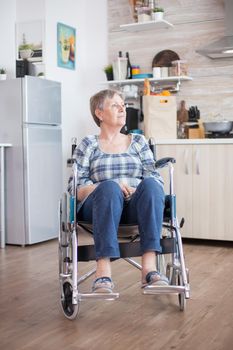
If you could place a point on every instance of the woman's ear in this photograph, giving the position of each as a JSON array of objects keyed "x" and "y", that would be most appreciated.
[{"x": 98, "y": 113}]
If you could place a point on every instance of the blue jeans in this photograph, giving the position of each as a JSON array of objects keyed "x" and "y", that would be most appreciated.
[{"x": 106, "y": 208}]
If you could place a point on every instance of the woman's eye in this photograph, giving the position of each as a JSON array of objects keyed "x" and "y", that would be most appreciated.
[{"x": 114, "y": 105}]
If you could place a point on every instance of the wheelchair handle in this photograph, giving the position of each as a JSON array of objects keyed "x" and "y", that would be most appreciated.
[
  {"x": 152, "y": 146},
  {"x": 73, "y": 145},
  {"x": 164, "y": 161}
]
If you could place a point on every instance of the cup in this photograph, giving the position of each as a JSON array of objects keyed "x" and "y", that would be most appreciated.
[
  {"x": 156, "y": 72},
  {"x": 164, "y": 72}
]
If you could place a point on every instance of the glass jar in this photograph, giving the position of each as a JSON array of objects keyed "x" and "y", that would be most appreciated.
[
  {"x": 179, "y": 67},
  {"x": 144, "y": 14}
]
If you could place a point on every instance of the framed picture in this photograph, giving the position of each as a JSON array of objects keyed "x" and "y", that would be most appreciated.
[
  {"x": 66, "y": 46},
  {"x": 30, "y": 36}
]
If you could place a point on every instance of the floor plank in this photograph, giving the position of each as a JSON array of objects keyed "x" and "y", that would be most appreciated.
[{"x": 31, "y": 317}]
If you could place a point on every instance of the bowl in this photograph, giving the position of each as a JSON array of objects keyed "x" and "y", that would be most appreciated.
[{"x": 224, "y": 126}]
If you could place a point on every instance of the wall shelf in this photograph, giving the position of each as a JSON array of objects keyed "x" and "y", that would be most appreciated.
[
  {"x": 174, "y": 82},
  {"x": 138, "y": 81},
  {"x": 140, "y": 26}
]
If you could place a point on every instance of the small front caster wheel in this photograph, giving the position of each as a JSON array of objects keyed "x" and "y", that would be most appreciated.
[
  {"x": 70, "y": 310},
  {"x": 182, "y": 301}
]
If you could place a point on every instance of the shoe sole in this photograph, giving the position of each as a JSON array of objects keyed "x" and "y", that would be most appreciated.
[{"x": 102, "y": 290}]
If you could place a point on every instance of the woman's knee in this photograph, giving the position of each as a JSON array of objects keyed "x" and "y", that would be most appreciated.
[
  {"x": 152, "y": 187},
  {"x": 151, "y": 184},
  {"x": 109, "y": 189}
]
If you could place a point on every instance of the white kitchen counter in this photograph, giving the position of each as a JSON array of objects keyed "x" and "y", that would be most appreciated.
[
  {"x": 194, "y": 141},
  {"x": 2, "y": 189}
]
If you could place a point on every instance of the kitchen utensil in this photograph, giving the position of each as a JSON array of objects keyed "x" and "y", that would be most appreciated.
[
  {"x": 164, "y": 58},
  {"x": 182, "y": 113},
  {"x": 224, "y": 126},
  {"x": 194, "y": 113}
]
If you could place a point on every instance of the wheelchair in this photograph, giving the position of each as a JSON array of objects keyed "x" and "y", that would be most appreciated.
[{"x": 170, "y": 261}]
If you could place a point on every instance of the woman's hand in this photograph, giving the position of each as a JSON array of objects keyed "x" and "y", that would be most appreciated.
[
  {"x": 127, "y": 190},
  {"x": 84, "y": 191}
]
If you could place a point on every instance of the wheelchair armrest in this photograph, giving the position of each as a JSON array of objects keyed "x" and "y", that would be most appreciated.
[{"x": 164, "y": 161}]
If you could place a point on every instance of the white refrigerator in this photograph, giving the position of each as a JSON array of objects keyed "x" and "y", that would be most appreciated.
[{"x": 30, "y": 119}]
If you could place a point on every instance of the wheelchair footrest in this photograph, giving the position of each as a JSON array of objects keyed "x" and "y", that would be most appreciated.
[
  {"x": 98, "y": 296},
  {"x": 163, "y": 289}
]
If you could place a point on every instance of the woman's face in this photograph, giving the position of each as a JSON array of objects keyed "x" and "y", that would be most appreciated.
[{"x": 113, "y": 112}]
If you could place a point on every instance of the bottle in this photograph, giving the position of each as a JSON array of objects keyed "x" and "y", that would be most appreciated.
[
  {"x": 120, "y": 54},
  {"x": 129, "y": 67},
  {"x": 146, "y": 91}
]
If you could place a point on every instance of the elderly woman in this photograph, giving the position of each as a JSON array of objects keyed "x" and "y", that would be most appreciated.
[{"x": 118, "y": 183}]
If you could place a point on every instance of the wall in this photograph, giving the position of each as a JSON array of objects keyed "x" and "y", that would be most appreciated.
[
  {"x": 30, "y": 10},
  {"x": 79, "y": 84},
  {"x": 91, "y": 49},
  {"x": 195, "y": 23},
  {"x": 7, "y": 34}
]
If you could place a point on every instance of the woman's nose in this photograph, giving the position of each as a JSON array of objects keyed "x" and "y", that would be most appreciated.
[{"x": 121, "y": 107}]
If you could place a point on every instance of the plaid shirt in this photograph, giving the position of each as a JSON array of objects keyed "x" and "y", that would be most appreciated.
[{"x": 130, "y": 167}]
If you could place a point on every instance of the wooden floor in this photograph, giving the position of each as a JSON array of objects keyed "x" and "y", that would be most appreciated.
[{"x": 31, "y": 316}]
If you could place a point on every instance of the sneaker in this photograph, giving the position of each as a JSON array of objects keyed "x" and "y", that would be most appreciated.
[{"x": 102, "y": 285}]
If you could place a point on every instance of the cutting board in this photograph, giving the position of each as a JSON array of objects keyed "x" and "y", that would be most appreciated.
[
  {"x": 164, "y": 58},
  {"x": 182, "y": 113}
]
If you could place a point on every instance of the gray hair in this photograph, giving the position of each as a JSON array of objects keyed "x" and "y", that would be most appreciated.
[{"x": 97, "y": 101}]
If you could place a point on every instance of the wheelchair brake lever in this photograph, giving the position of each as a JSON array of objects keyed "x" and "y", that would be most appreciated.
[
  {"x": 71, "y": 161},
  {"x": 164, "y": 161},
  {"x": 182, "y": 221}
]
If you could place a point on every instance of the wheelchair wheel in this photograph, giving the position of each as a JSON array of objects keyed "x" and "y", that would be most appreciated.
[
  {"x": 69, "y": 309},
  {"x": 182, "y": 301},
  {"x": 181, "y": 296}
]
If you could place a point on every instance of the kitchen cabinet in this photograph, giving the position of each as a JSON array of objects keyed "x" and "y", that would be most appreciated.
[{"x": 203, "y": 183}]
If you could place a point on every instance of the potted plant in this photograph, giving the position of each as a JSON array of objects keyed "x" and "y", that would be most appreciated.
[
  {"x": 25, "y": 50},
  {"x": 41, "y": 75},
  {"x": 109, "y": 71},
  {"x": 157, "y": 13},
  {"x": 2, "y": 74}
]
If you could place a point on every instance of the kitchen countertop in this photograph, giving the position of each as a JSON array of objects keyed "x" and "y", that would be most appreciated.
[{"x": 194, "y": 141}]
